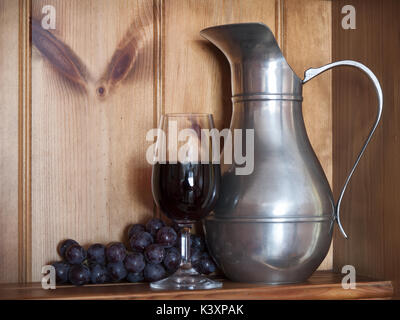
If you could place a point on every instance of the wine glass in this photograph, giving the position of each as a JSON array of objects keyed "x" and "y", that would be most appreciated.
[{"x": 185, "y": 186}]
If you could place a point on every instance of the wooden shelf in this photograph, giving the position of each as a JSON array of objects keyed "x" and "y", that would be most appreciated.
[{"x": 322, "y": 285}]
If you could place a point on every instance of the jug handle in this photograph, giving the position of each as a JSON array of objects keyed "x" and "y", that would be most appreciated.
[{"x": 313, "y": 72}]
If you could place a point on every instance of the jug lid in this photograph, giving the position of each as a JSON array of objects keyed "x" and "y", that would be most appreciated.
[{"x": 258, "y": 67}]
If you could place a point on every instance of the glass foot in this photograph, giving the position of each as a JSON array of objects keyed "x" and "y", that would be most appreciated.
[{"x": 186, "y": 279}]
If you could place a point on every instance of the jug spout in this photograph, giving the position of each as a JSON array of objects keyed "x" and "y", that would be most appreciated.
[{"x": 258, "y": 67}]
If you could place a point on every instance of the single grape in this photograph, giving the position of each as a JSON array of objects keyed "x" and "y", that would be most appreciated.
[
  {"x": 197, "y": 242},
  {"x": 154, "y": 225},
  {"x": 96, "y": 253},
  {"x": 63, "y": 246},
  {"x": 99, "y": 273},
  {"x": 75, "y": 254},
  {"x": 134, "y": 262},
  {"x": 79, "y": 274},
  {"x": 115, "y": 252},
  {"x": 172, "y": 259},
  {"x": 62, "y": 269},
  {"x": 154, "y": 272},
  {"x": 205, "y": 265},
  {"x": 116, "y": 271},
  {"x": 135, "y": 277},
  {"x": 154, "y": 253},
  {"x": 135, "y": 228},
  {"x": 166, "y": 236},
  {"x": 140, "y": 240}
]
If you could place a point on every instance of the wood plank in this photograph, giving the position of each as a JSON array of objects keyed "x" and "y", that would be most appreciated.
[
  {"x": 89, "y": 175},
  {"x": 25, "y": 145},
  {"x": 354, "y": 112},
  {"x": 391, "y": 128},
  {"x": 202, "y": 73},
  {"x": 370, "y": 205},
  {"x": 195, "y": 66},
  {"x": 322, "y": 285},
  {"x": 91, "y": 110},
  {"x": 9, "y": 152},
  {"x": 304, "y": 48}
]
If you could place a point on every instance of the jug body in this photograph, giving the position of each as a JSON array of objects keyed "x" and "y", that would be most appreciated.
[
  {"x": 275, "y": 224},
  {"x": 287, "y": 179}
]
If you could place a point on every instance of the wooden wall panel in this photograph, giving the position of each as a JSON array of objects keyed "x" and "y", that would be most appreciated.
[
  {"x": 194, "y": 65},
  {"x": 390, "y": 32},
  {"x": 90, "y": 178},
  {"x": 9, "y": 116},
  {"x": 307, "y": 44},
  {"x": 370, "y": 205},
  {"x": 202, "y": 73}
]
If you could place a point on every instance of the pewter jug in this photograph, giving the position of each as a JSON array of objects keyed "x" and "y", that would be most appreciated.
[{"x": 274, "y": 225}]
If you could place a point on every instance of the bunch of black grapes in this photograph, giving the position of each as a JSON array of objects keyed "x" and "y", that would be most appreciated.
[{"x": 154, "y": 255}]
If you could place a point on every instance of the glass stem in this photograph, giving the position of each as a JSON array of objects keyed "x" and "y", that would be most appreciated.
[{"x": 185, "y": 248}]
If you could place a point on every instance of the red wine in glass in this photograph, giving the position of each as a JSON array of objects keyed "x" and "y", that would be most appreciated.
[{"x": 186, "y": 190}]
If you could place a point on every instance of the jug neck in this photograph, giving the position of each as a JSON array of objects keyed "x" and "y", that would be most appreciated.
[{"x": 258, "y": 68}]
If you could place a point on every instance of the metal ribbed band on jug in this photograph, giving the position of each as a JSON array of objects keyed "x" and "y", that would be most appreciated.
[{"x": 257, "y": 97}]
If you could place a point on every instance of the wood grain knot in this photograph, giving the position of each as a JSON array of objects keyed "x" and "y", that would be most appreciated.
[
  {"x": 67, "y": 63},
  {"x": 101, "y": 91},
  {"x": 122, "y": 67},
  {"x": 60, "y": 56},
  {"x": 122, "y": 62}
]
